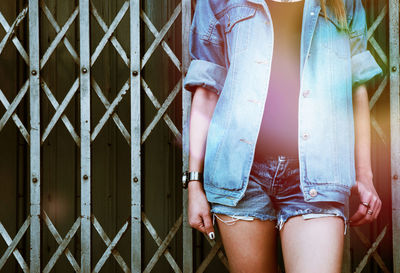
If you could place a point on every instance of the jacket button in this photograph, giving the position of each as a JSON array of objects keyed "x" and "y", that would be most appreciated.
[
  {"x": 312, "y": 13},
  {"x": 306, "y": 136},
  {"x": 306, "y": 93},
  {"x": 313, "y": 192}
]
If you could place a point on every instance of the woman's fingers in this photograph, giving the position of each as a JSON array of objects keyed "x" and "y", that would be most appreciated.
[
  {"x": 197, "y": 223},
  {"x": 359, "y": 214},
  {"x": 366, "y": 214},
  {"x": 369, "y": 215},
  {"x": 208, "y": 226},
  {"x": 377, "y": 209},
  {"x": 203, "y": 223}
]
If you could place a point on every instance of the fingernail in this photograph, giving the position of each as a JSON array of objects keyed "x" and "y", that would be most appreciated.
[{"x": 211, "y": 235}]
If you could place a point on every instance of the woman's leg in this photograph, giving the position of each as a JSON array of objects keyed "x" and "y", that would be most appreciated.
[
  {"x": 313, "y": 245},
  {"x": 249, "y": 245}
]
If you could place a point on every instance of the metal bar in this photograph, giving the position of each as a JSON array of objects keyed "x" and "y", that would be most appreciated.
[
  {"x": 13, "y": 244},
  {"x": 159, "y": 241},
  {"x": 109, "y": 32},
  {"x": 394, "y": 58},
  {"x": 11, "y": 30},
  {"x": 378, "y": 50},
  {"x": 11, "y": 109},
  {"x": 161, "y": 35},
  {"x": 111, "y": 247},
  {"x": 110, "y": 110},
  {"x": 59, "y": 240},
  {"x": 60, "y": 35},
  {"x": 60, "y": 109},
  {"x": 113, "y": 40},
  {"x": 164, "y": 45},
  {"x": 115, "y": 117},
  {"x": 374, "y": 254},
  {"x": 210, "y": 256},
  {"x": 107, "y": 241},
  {"x": 379, "y": 130},
  {"x": 373, "y": 248},
  {"x": 135, "y": 74},
  {"x": 34, "y": 101},
  {"x": 221, "y": 255},
  {"x": 15, "y": 40},
  {"x": 377, "y": 21},
  {"x": 63, "y": 243},
  {"x": 64, "y": 118},
  {"x": 95, "y": 86},
  {"x": 163, "y": 245},
  {"x": 378, "y": 92},
  {"x": 186, "y": 100},
  {"x": 162, "y": 110},
  {"x": 15, "y": 117},
  {"x": 57, "y": 28},
  {"x": 84, "y": 30},
  {"x": 166, "y": 117}
]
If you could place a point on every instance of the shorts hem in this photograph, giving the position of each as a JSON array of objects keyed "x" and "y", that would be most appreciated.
[
  {"x": 282, "y": 219},
  {"x": 259, "y": 216}
]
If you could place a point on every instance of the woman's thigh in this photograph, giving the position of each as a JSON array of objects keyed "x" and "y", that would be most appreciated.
[
  {"x": 249, "y": 245},
  {"x": 313, "y": 245}
]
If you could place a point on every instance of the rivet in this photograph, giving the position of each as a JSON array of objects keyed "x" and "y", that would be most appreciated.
[
  {"x": 135, "y": 179},
  {"x": 85, "y": 177},
  {"x": 33, "y": 72},
  {"x": 84, "y": 70},
  {"x": 313, "y": 192},
  {"x": 134, "y": 73},
  {"x": 34, "y": 180},
  {"x": 395, "y": 177},
  {"x": 394, "y": 69}
]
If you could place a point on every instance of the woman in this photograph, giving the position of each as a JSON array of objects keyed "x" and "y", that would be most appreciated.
[{"x": 280, "y": 127}]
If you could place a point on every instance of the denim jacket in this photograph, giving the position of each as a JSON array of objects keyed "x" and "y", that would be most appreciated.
[{"x": 231, "y": 44}]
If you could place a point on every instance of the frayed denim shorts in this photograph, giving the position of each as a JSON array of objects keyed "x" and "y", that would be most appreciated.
[{"x": 273, "y": 193}]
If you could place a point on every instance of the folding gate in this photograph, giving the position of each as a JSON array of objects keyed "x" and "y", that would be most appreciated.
[{"x": 135, "y": 133}]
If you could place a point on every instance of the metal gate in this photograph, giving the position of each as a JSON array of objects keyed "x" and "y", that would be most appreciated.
[{"x": 132, "y": 90}]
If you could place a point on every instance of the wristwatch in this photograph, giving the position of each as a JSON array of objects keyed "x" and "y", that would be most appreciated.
[{"x": 190, "y": 176}]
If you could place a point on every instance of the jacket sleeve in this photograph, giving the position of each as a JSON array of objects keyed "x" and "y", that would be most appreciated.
[
  {"x": 206, "y": 47},
  {"x": 364, "y": 66}
]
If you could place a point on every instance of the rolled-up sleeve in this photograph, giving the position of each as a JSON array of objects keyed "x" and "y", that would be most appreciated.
[
  {"x": 363, "y": 64},
  {"x": 206, "y": 47}
]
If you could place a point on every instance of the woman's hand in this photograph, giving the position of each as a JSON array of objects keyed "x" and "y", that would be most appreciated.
[
  {"x": 199, "y": 210},
  {"x": 370, "y": 203}
]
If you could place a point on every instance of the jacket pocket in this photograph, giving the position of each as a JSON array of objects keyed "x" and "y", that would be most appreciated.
[
  {"x": 236, "y": 14},
  {"x": 337, "y": 39},
  {"x": 236, "y": 25}
]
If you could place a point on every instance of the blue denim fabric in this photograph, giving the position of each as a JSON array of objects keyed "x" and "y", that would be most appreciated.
[
  {"x": 231, "y": 45},
  {"x": 273, "y": 193}
]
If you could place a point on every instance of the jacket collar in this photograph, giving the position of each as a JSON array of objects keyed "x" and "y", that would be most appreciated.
[{"x": 310, "y": 15}]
